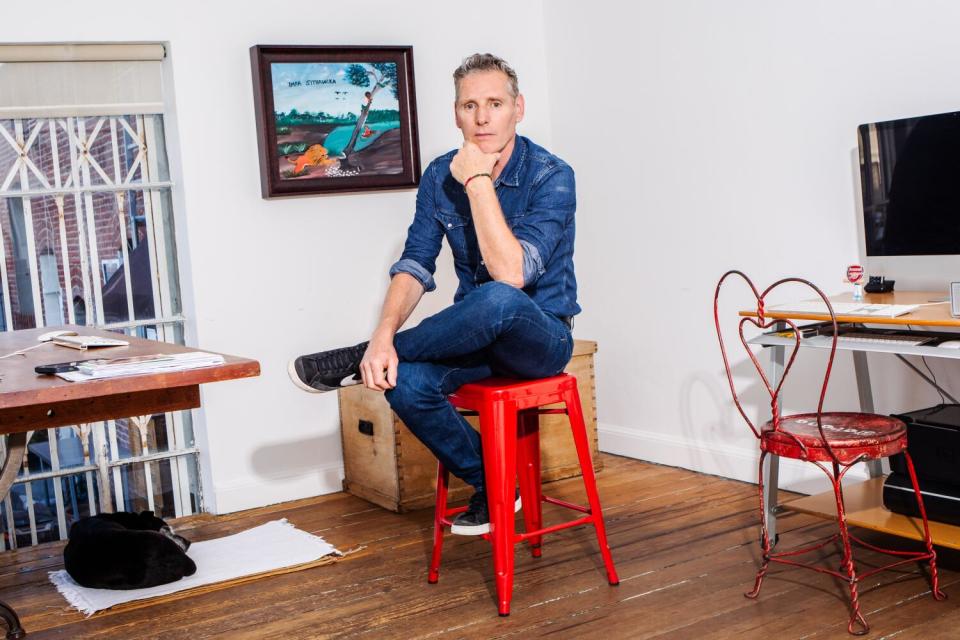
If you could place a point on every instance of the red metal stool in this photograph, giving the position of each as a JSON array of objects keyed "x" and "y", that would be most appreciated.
[{"x": 509, "y": 413}]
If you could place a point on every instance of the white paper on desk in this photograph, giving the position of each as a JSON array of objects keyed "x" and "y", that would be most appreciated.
[
  {"x": 120, "y": 367},
  {"x": 860, "y": 309},
  {"x": 85, "y": 342}
]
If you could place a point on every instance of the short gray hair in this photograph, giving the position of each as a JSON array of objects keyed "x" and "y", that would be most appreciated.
[{"x": 486, "y": 62}]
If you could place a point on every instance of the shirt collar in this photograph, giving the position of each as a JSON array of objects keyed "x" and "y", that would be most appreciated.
[{"x": 510, "y": 176}]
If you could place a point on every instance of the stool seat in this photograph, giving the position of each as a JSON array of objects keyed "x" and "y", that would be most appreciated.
[
  {"x": 509, "y": 411},
  {"x": 526, "y": 393}
]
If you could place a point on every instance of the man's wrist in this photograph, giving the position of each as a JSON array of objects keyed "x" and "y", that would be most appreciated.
[
  {"x": 384, "y": 333},
  {"x": 477, "y": 176}
]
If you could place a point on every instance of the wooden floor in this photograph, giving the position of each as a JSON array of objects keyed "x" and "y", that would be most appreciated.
[{"x": 684, "y": 544}]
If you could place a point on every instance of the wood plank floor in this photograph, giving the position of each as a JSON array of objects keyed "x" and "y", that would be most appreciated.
[{"x": 684, "y": 544}]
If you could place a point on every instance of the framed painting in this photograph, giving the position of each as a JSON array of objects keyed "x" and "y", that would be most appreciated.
[{"x": 335, "y": 119}]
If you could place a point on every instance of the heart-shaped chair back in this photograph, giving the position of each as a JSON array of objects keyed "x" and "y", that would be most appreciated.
[{"x": 762, "y": 322}]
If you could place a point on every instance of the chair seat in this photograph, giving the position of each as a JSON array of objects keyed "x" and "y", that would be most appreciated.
[{"x": 850, "y": 435}]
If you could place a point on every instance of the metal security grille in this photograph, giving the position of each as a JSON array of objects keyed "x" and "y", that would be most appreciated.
[{"x": 87, "y": 238}]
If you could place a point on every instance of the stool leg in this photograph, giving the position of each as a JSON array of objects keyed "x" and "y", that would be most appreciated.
[
  {"x": 498, "y": 431},
  {"x": 528, "y": 471},
  {"x": 571, "y": 398},
  {"x": 439, "y": 512}
]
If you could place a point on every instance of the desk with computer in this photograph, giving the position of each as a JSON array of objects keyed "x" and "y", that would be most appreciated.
[{"x": 911, "y": 229}]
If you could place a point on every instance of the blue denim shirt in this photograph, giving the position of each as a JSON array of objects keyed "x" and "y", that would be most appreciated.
[{"x": 538, "y": 198}]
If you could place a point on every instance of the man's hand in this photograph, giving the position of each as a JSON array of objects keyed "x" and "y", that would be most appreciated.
[
  {"x": 379, "y": 365},
  {"x": 470, "y": 161}
]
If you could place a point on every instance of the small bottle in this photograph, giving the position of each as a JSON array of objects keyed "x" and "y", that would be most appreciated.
[{"x": 857, "y": 292}]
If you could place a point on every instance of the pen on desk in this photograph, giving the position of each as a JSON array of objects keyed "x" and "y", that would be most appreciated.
[{"x": 805, "y": 332}]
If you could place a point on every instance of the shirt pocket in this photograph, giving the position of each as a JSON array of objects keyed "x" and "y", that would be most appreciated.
[{"x": 459, "y": 231}]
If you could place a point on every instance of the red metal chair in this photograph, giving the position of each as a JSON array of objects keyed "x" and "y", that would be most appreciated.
[
  {"x": 834, "y": 442},
  {"x": 509, "y": 413}
]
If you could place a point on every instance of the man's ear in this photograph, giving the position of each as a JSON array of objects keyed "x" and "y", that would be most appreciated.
[
  {"x": 521, "y": 105},
  {"x": 456, "y": 115}
]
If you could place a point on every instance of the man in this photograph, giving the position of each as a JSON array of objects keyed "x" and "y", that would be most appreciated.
[{"x": 506, "y": 207}]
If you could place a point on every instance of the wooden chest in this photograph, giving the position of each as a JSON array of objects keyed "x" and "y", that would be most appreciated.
[{"x": 386, "y": 464}]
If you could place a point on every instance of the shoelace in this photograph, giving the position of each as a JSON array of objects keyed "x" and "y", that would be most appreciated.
[{"x": 339, "y": 360}]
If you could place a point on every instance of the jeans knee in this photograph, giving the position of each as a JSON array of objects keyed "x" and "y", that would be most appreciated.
[
  {"x": 413, "y": 390},
  {"x": 501, "y": 296}
]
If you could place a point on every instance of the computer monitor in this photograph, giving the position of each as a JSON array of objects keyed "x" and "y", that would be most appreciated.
[{"x": 910, "y": 192}]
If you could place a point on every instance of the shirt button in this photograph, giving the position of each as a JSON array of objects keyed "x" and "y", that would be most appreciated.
[{"x": 449, "y": 225}]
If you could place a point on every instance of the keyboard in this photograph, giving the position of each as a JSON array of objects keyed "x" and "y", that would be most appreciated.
[
  {"x": 857, "y": 309},
  {"x": 855, "y": 337}
]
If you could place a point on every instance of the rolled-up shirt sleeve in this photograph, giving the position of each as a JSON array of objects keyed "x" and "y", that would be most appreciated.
[
  {"x": 532, "y": 262},
  {"x": 415, "y": 269},
  {"x": 541, "y": 229},
  {"x": 424, "y": 237}
]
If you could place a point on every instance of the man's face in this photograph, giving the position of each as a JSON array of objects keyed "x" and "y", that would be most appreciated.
[{"x": 486, "y": 112}]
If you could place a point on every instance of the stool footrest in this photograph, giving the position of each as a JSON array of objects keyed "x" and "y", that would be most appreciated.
[
  {"x": 520, "y": 537},
  {"x": 454, "y": 511},
  {"x": 568, "y": 505}
]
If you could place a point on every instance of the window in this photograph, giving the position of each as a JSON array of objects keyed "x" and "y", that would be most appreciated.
[{"x": 87, "y": 237}]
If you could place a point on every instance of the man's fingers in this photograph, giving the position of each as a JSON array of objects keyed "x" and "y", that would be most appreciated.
[
  {"x": 379, "y": 379},
  {"x": 367, "y": 375},
  {"x": 363, "y": 373},
  {"x": 392, "y": 373}
]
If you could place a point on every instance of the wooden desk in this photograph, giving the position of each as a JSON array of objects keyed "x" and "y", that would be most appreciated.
[
  {"x": 867, "y": 510},
  {"x": 933, "y": 315},
  {"x": 29, "y": 401}
]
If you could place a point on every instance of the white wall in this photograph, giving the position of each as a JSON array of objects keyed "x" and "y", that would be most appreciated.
[
  {"x": 704, "y": 135},
  {"x": 713, "y": 135},
  {"x": 274, "y": 279}
]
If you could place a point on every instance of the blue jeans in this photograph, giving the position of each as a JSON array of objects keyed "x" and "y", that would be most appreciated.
[{"x": 495, "y": 329}]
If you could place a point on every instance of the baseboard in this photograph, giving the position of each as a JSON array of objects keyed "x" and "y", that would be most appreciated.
[
  {"x": 259, "y": 491},
  {"x": 705, "y": 457},
  {"x": 718, "y": 459}
]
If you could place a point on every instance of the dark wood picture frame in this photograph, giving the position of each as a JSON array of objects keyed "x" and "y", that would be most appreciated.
[{"x": 382, "y": 152}]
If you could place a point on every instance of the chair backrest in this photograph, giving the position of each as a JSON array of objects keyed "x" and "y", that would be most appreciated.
[{"x": 762, "y": 322}]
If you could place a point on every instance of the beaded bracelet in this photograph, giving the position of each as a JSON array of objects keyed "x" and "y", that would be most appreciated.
[{"x": 478, "y": 175}]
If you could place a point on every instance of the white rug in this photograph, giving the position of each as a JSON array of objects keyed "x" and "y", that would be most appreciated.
[{"x": 264, "y": 549}]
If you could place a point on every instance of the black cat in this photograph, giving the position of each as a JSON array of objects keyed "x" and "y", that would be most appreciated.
[{"x": 126, "y": 551}]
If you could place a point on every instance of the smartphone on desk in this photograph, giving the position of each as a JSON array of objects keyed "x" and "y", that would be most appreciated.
[{"x": 59, "y": 367}]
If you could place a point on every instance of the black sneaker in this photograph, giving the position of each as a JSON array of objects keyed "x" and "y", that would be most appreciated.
[
  {"x": 325, "y": 371},
  {"x": 475, "y": 520}
]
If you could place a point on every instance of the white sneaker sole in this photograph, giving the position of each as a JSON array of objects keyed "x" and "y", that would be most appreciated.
[
  {"x": 480, "y": 529},
  {"x": 292, "y": 371}
]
